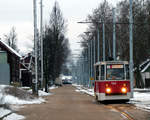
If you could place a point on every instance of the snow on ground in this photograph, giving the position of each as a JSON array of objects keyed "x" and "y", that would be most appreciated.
[
  {"x": 53, "y": 87},
  {"x": 8, "y": 115},
  {"x": 42, "y": 93},
  {"x": 141, "y": 96},
  {"x": 14, "y": 116},
  {"x": 14, "y": 102},
  {"x": 82, "y": 89},
  {"x": 4, "y": 112},
  {"x": 8, "y": 99},
  {"x": 141, "y": 100}
]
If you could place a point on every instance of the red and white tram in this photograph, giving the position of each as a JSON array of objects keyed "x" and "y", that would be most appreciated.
[{"x": 112, "y": 81}]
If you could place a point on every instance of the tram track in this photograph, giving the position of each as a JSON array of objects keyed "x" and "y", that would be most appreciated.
[
  {"x": 119, "y": 108},
  {"x": 123, "y": 113},
  {"x": 126, "y": 110}
]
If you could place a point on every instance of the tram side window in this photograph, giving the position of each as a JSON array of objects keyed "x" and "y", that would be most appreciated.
[
  {"x": 127, "y": 72},
  {"x": 97, "y": 72},
  {"x": 102, "y": 72}
]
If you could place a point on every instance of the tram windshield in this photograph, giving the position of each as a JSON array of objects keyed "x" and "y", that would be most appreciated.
[{"x": 115, "y": 72}]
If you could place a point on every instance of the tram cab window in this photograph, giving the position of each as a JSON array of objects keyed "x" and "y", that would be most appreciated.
[
  {"x": 115, "y": 72},
  {"x": 102, "y": 72},
  {"x": 127, "y": 72},
  {"x": 97, "y": 72}
]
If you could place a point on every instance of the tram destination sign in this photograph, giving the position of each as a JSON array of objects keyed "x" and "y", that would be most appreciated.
[{"x": 114, "y": 66}]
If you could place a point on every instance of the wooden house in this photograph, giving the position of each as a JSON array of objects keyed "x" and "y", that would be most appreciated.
[
  {"x": 27, "y": 70},
  {"x": 12, "y": 58}
]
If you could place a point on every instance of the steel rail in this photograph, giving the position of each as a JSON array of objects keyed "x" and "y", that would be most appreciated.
[{"x": 125, "y": 114}]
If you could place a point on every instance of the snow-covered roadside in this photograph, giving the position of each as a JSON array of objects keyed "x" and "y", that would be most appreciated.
[
  {"x": 84, "y": 90},
  {"x": 53, "y": 87},
  {"x": 141, "y": 99},
  {"x": 4, "y": 112},
  {"x": 14, "y": 116},
  {"x": 15, "y": 103}
]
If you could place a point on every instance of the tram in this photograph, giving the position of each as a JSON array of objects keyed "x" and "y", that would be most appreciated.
[{"x": 112, "y": 81}]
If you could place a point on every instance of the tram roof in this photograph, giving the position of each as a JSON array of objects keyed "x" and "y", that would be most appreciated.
[{"x": 111, "y": 62}]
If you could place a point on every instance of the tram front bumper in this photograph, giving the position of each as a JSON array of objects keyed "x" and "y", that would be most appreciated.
[{"x": 103, "y": 96}]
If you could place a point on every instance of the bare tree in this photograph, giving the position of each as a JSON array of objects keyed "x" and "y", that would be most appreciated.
[{"x": 11, "y": 38}]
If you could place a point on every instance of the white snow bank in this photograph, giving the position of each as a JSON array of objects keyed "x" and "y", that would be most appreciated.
[
  {"x": 8, "y": 99},
  {"x": 42, "y": 93},
  {"x": 141, "y": 100},
  {"x": 141, "y": 97},
  {"x": 4, "y": 112},
  {"x": 52, "y": 87},
  {"x": 141, "y": 90},
  {"x": 75, "y": 85},
  {"x": 25, "y": 87},
  {"x": 14, "y": 116},
  {"x": 84, "y": 90}
]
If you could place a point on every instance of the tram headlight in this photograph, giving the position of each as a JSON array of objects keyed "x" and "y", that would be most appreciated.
[
  {"x": 108, "y": 90},
  {"x": 124, "y": 90}
]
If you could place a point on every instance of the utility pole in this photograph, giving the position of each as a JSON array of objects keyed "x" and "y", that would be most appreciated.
[
  {"x": 41, "y": 38},
  {"x": 103, "y": 41},
  {"x": 98, "y": 43},
  {"x": 35, "y": 45},
  {"x": 94, "y": 40},
  {"x": 87, "y": 70},
  {"x": 114, "y": 35},
  {"x": 91, "y": 61},
  {"x": 131, "y": 48}
]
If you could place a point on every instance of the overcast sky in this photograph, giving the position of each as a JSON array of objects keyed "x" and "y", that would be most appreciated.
[{"x": 19, "y": 13}]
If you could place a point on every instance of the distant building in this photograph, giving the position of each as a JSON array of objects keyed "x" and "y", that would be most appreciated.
[{"x": 9, "y": 64}]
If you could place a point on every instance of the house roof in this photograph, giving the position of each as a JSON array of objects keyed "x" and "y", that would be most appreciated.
[
  {"x": 146, "y": 67},
  {"x": 10, "y": 49},
  {"x": 145, "y": 63}
]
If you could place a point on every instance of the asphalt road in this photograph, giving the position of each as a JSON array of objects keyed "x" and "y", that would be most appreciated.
[{"x": 66, "y": 104}]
